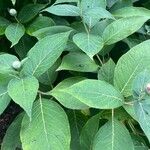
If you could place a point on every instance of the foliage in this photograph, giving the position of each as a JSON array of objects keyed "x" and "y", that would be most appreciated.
[{"x": 80, "y": 71}]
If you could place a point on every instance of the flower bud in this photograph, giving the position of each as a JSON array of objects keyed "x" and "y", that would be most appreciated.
[
  {"x": 148, "y": 88},
  {"x": 16, "y": 64},
  {"x": 12, "y": 12}
]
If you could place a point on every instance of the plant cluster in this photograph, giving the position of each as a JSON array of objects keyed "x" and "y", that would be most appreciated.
[{"x": 80, "y": 71}]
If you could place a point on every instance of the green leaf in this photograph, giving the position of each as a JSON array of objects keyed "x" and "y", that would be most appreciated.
[
  {"x": 63, "y": 10},
  {"x": 88, "y": 132},
  {"x": 11, "y": 139},
  {"x": 14, "y": 32},
  {"x": 65, "y": 1},
  {"x": 131, "y": 12},
  {"x": 131, "y": 64},
  {"x": 23, "y": 91},
  {"x": 95, "y": 93},
  {"x": 122, "y": 28},
  {"x": 93, "y": 15},
  {"x": 139, "y": 85},
  {"x": 4, "y": 98},
  {"x": 113, "y": 136},
  {"x": 50, "y": 75},
  {"x": 36, "y": 65},
  {"x": 76, "y": 121},
  {"x": 85, "y": 5},
  {"x": 41, "y": 33},
  {"x": 89, "y": 43},
  {"x": 106, "y": 72},
  {"x": 39, "y": 23},
  {"x": 67, "y": 99},
  {"x": 78, "y": 61},
  {"x": 52, "y": 126},
  {"x": 142, "y": 111},
  {"x": 4, "y": 23},
  {"x": 28, "y": 12}
]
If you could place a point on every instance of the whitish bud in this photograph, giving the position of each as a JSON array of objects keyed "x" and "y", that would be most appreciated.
[
  {"x": 12, "y": 12},
  {"x": 16, "y": 64},
  {"x": 148, "y": 88}
]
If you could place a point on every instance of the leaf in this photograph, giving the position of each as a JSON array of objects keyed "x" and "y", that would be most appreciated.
[
  {"x": 49, "y": 128},
  {"x": 12, "y": 137},
  {"x": 39, "y": 23},
  {"x": 36, "y": 65},
  {"x": 129, "y": 65},
  {"x": 106, "y": 72},
  {"x": 23, "y": 91},
  {"x": 131, "y": 12},
  {"x": 24, "y": 45},
  {"x": 28, "y": 12},
  {"x": 41, "y": 33},
  {"x": 139, "y": 85},
  {"x": 14, "y": 32},
  {"x": 78, "y": 61},
  {"x": 122, "y": 28},
  {"x": 65, "y": 1},
  {"x": 88, "y": 132},
  {"x": 92, "y": 4},
  {"x": 76, "y": 121},
  {"x": 89, "y": 43},
  {"x": 50, "y": 75},
  {"x": 143, "y": 116},
  {"x": 63, "y": 10},
  {"x": 4, "y": 23},
  {"x": 67, "y": 99},
  {"x": 113, "y": 136},
  {"x": 95, "y": 93},
  {"x": 4, "y": 98},
  {"x": 92, "y": 16}
]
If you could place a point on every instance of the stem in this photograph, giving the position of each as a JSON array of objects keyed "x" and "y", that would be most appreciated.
[
  {"x": 99, "y": 59},
  {"x": 132, "y": 127},
  {"x": 42, "y": 93}
]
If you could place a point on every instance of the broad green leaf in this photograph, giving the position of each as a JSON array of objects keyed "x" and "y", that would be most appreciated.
[
  {"x": 11, "y": 139},
  {"x": 122, "y": 28},
  {"x": 50, "y": 75},
  {"x": 78, "y": 61},
  {"x": 88, "y": 4},
  {"x": 41, "y": 33},
  {"x": 4, "y": 98},
  {"x": 23, "y": 91},
  {"x": 39, "y": 23},
  {"x": 93, "y": 15},
  {"x": 142, "y": 111},
  {"x": 110, "y": 3},
  {"x": 131, "y": 12},
  {"x": 88, "y": 132},
  {"x": 65, "y": 1},
  {"x": 95, "y": 93},
  {"x": 28, "y": 12},
  {"x": 113, "y": 136},
  {"x": 106, "y": 72},
  {"x": 49, "y": 128},
  {"x": 67, "y": 99},
  {"x": 76, "y": 121},
  {"x": 89, "y": 43},
  {"x": 14, "y": 32},
  {"x": 4, "y": 23},
  {"x": 63, "y": 10},
  {"x": 36, "y": 65},
  {"x": 139, "y": 85},
  {"x": 129, "y": 65}
]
